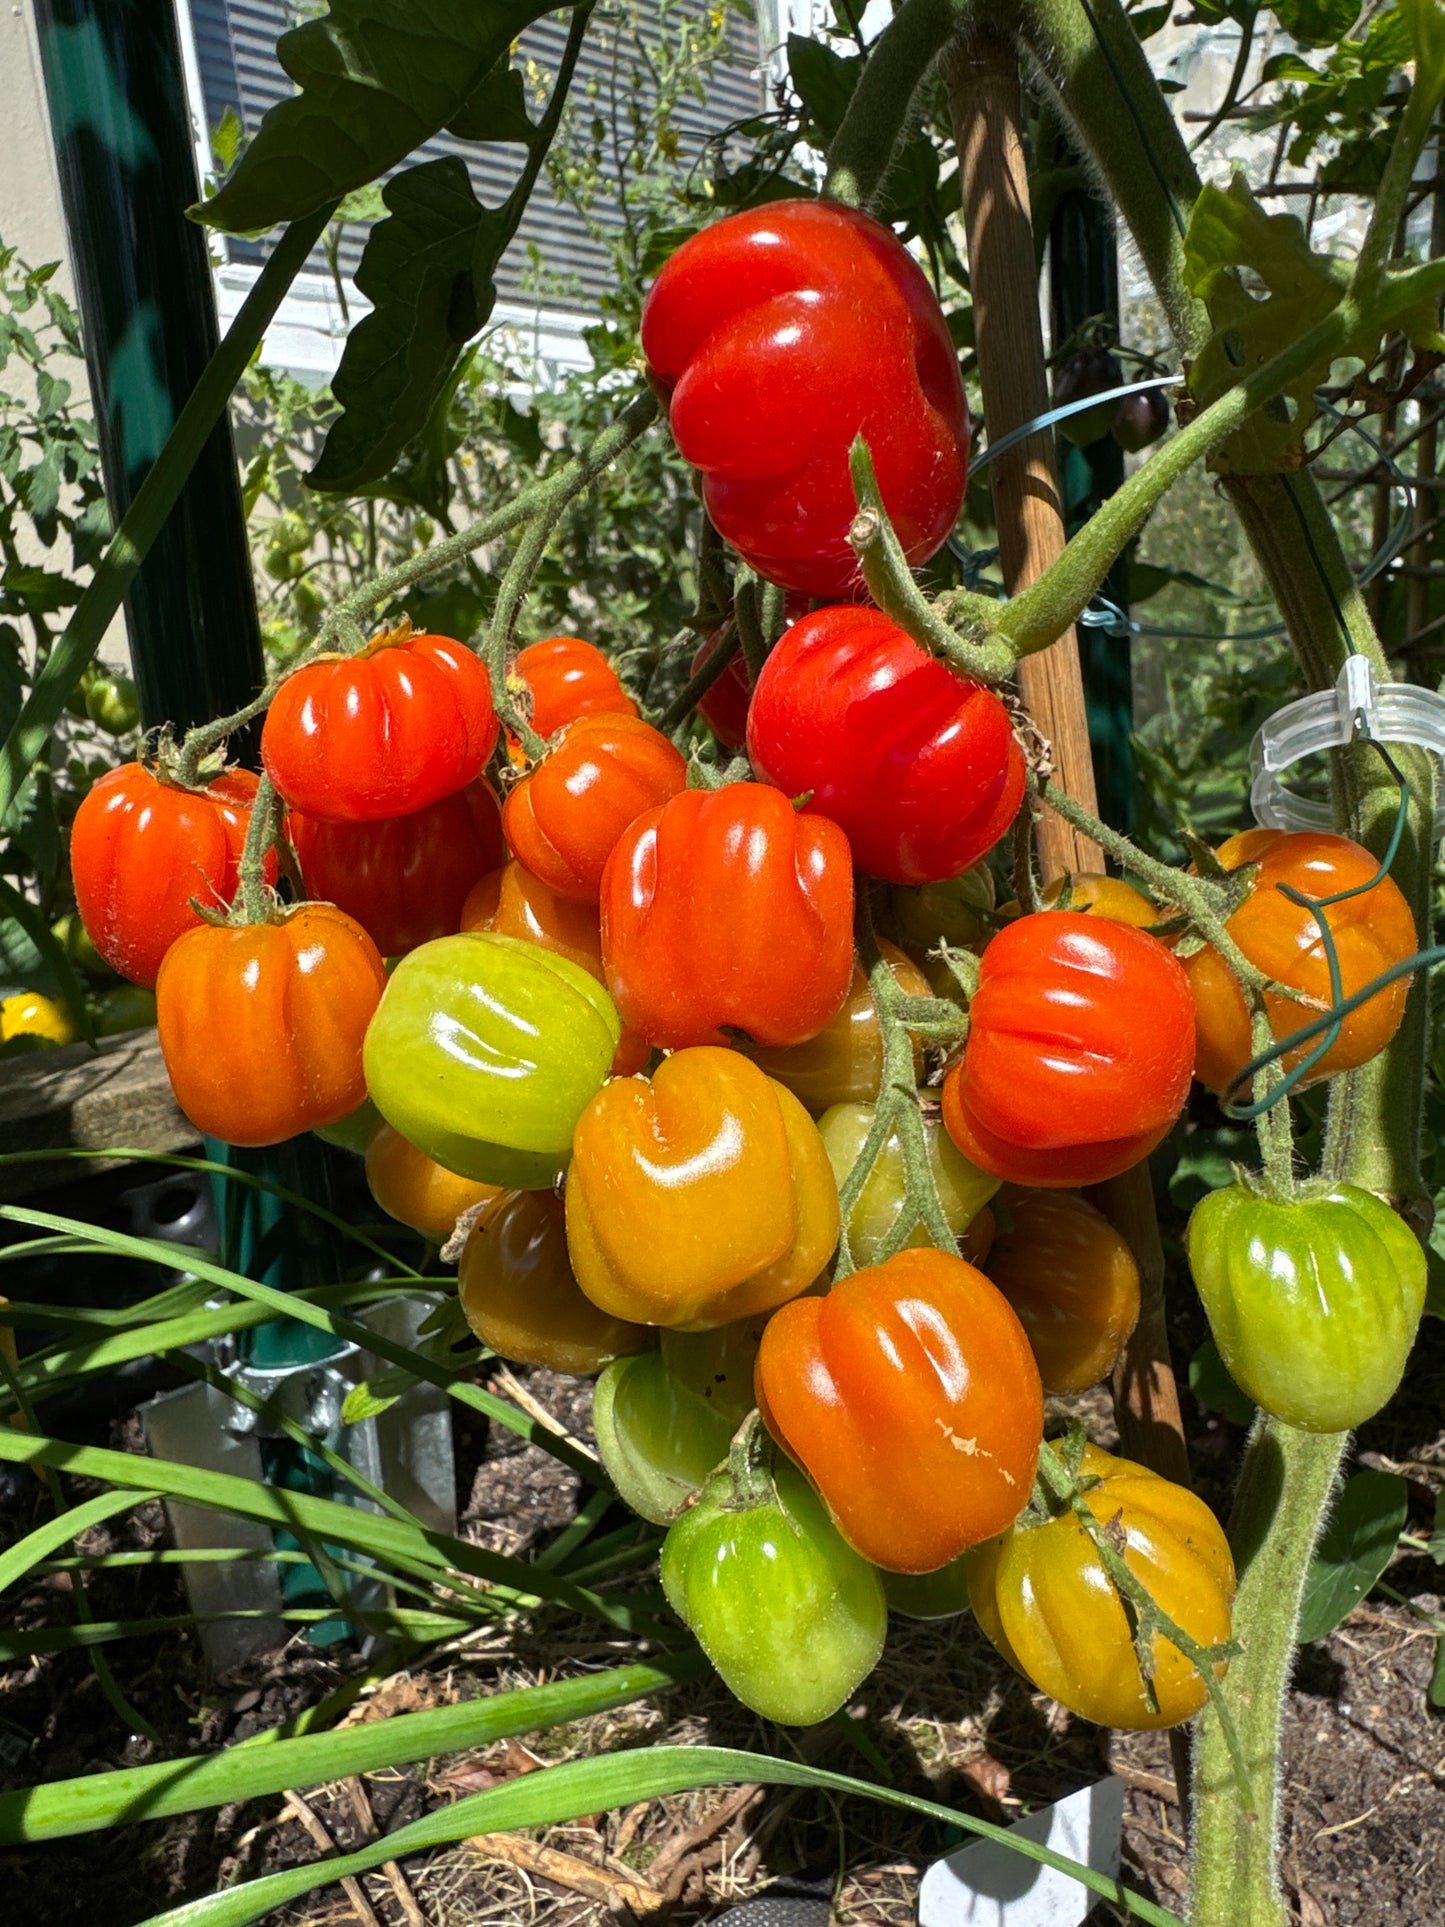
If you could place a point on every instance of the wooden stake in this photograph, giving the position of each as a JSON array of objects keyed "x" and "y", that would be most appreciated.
[{"x": 986, "y": 108}]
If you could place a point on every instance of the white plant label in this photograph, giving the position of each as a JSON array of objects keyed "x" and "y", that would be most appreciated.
[{"x": 986, "y": 1884}]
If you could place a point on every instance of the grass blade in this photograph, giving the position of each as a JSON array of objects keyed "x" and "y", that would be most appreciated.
[{"x": 30, "y": 1550}]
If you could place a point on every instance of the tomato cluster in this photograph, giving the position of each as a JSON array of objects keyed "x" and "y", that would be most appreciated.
[{"x": 622, "y": 1032}]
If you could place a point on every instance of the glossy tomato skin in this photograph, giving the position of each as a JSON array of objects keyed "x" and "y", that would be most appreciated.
[
  {"x": 910, "y": 1397},
  {"x": 702, "y": 1197},
  {"x": 140, "y": 849},
  {"x": 383, "y": 733},
  {"x": 29, "y": 1013},
  {"x": 776, "y": 965},
  {"x": 485, "y": 1051},
  {"x": 792, "y": 1619},
  {"x": 1104, "y": 896},
  {"x": 1370, "y": 932},
  {"x": 261, "y": 1025},
  {"x": 843, "y": 1064},
  {"x": 1079, "y": 1055},
  {"x": 782, "y": 333},
  {"x": 514, "y": 903},
  {"x": 403, "y": 878},
  {"x": 563, "y": 821},
  {"x": 416, "y": 1190},
  {"x": 963, "y": 1191},
  {"x": 920, "y": 768},
  {"x": 1073, "y": 1282},
  {"x": 658, "y": 1443},
  {"x": 569, "y": 678},
  {"x": 1314, "y": 1303},
  {"x": 520, "y": 1297},
  {"x": 1043, "y": 1598}
]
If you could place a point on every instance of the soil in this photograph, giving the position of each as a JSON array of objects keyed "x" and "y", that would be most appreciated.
[{"x": 1363, "y": 1841}]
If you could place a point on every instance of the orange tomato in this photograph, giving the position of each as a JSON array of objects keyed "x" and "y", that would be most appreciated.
[
  {"x": 699, "y": 1198},
  {"x": 1370, "y": 932},
  {"x": 563, "y": 820},
  {"x": 567, "y": 678},
  {"x": 519, "y": 1294},
  {"x": 1105, "y": 896},
  {"x": 416, "y": 1190},
  {"x": 261, "y": 1024},
  {"x": 1073, "y": 1282},
  {"x": 911, "y": 1399}
]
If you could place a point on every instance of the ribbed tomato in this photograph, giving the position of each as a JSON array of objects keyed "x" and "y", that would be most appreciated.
[
  {"x": 726, "y": 907},
  {"x": 261, "y": 1024},
  {"x": 920, "y": 768},
  {"x": 1080, "y": 1050},
  {"x": 141, "y": 848},
  {"x": 563, "y": 821},
  {"x": 403, "y": 878},
  {"x": 569, "y": 678},
  {"x": 401, "y": 724}
]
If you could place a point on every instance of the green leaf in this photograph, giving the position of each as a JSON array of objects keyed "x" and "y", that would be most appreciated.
[
  {"x": 226, "y": 137},
  {"x": 377, "y": 78},
  {"x": 497, "y": 111},
  {"x": 1316, "y": 23},
  {"x": 58, "y": 967},
  {"x": 270, "y": 1763},
  {"x": 1435, "y": 1691},
  {"x": 26, "y": 589},
  {"x": 588, "y": 1786},
  {"x": 1437, "y": 1532},
  {"x": 1214, "y": 1390},
  {"x": 428, "y": 269},
  {"x": 1228, "y": 230},
  {"x": 1148, "y": 20},
  {"x": 17, "y": 1560},
  {"x": 362, "y": 1403},
  {"x": 1425, "y": 20},
  {"x": 1357, "y": 1545},
  {"x": 823, "y": 80}
]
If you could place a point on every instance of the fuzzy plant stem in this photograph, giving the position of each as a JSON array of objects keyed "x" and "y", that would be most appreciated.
[{"x": 1284, "y": 1491}]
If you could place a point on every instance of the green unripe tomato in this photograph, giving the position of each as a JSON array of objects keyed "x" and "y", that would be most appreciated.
[
  {"x": 282, "y": 564},
  {"x": 658, "y": 1443},
  {"x": 353, "y": 1132},
  {"x": 792, "y": 1618},
  {"x": 954, "y": 912},
  {"x": 307, "y": 601},
  {"x": 112, "y": 702},
  {"x": 290, "y": 533},
  {"x": 1313, "y": 1303},
  {"x": 485, "y": 1051},
  {"x": 717, "y": 1366},
  {"x": 929, "y": 1595},
  {"x": 127, "y": 1007},
  {"x": 963, "y": 1189},
  {"x": 74, "y": 939}
]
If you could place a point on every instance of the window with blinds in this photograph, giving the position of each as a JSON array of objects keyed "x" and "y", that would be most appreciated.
[{"x": 236, "y": 52}]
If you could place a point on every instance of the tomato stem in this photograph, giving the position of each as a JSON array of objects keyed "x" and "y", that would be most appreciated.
[
  {"x": 254, "y": 895},
  {"x": 881, "y": 109}
]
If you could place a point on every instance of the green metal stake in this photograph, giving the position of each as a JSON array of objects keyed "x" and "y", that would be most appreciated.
[{"x": 123, "y": 146}]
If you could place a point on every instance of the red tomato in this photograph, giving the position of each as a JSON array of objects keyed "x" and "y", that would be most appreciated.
[
  {"x": 910, "y": 1397},
  {"x": 725, "y": 907},
  {"x": 140, "y": 849},
  {"x": 782, "y": 333},
  {"x": 920, "y": 768},
  {"x": 564, "y": 820},
  {"x": 262, "y": 1023},
  {"x": 405, "y": 878},
  {"x": 569, "y": 678},
  {"x": 382, "y": 733},
  {"x": 1080, "y": 1051},
  {"x": 724, "y": 708}
]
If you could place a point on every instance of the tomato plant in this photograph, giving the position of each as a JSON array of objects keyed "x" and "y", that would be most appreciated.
[
  {"x": 1064, "y": 1080},
  {"x": 658, "y": 1442},
  {"x": 1313, "y": 1301},
  {"x": 963, "y": 1190},
  {"x": 756, "y": 330},
  {"x": 1073, "y": 1282},
  {"x": 844, "y": 1062},
  {"x": 700, "y": 1197},
  {"x": 910, "y": 1397},
  {"x": 383, "y": 733},
  {"x": 777, "y": 967},
  {"x": 262, "y": 1024},
  {"x": 919, "y": 768},
  {"x": 1042, "y": 1596},
  {"x": 142, "y": 847}
]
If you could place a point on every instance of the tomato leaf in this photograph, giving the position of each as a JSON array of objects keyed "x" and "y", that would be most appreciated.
[
  {"x": 1358, "y": 1544},
  {"x": 1214, "y": 1390},
  {"x": 1437, "y": 1532},
  {"x": 823, "y": 81},
  {"x": 1316, "y": 23},
  {"x": 428, "y": 268},
  {"x": 1435, "y": 1691},
  {"x": 376, "y": 79}
]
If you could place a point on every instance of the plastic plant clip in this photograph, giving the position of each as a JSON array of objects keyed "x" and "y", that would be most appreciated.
[{"x": 1357, "y": 709}]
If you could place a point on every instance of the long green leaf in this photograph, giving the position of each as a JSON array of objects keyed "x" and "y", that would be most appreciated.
[
  {"x": 377, "y": 78},
  {"x": 146, "y": 516},
  {"x": 588, "y": 1786},
  {"x": 151, "y": 1251},
  {"x": 390, "y": 1540},
  {"x": 17, "y": 1560},
  {"x": 262, "y": 1766},
  {"x": 400, "y": 1623}
]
